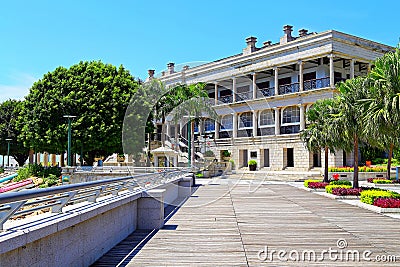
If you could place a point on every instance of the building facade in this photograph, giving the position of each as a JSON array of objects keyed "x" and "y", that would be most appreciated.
[{"x": 263, "y": 93}]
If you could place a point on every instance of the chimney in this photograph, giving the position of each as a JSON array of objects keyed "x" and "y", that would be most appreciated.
[
  {"x": 303, "y": 32},
  {"x": 267, "y": 43},
  {"x": 171, "y": 67},
  {"x": 185, "y": 68},
  {"x": 251, "y": 45},
  {"x": 163, "y": 73},
  {"x": 287, "y": 37},
  {"x": 151, "y": 73}
]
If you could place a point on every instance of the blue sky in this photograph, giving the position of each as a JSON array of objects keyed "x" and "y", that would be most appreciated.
[{"x": 38, "y": 36}]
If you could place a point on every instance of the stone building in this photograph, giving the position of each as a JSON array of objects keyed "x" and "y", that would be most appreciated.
[{"x": 262, "y": 94}]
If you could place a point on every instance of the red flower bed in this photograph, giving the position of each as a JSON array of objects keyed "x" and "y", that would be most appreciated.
[
  {"x": 346, "y": 191},
  {"x": 317, "y": 185},
  {"x": 387, "y": 202}
]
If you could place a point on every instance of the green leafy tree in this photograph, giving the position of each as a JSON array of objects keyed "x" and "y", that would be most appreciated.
[
  {"x": 348, "y": 125},
  {"x": 9, "y": 113},
  {"x": 96, "y": 93},
  {"x": 319, "y": 133},
  {"x": 382, "y": 104},
  {"x": 175, "y": 97}
]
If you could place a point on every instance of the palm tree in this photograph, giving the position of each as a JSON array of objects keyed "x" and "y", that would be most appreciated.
[
  {"x": 318, "y": 134},
  {"x": 347, "y": 123},
  {"x": 382, "y": 104}
]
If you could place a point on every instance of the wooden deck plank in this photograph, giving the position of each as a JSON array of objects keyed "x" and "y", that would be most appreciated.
[{"x": 222, "y": 225}]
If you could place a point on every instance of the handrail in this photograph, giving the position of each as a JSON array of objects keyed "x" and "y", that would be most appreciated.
[{"x": 12, "y": 202}]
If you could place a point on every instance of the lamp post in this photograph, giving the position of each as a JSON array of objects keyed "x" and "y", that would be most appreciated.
[
  {"x": 69, "y": 117},
  {"x": 190, "y": 129},
  {"x": 8, "y": 151}
]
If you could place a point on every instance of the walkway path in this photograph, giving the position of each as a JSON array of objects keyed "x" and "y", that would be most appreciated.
[{"x": 227, "y": 225}]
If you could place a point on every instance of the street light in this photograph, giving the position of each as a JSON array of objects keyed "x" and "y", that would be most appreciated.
[
  {"x": 8, "y": 151},
  {"x": 190, "y": 140},
  {"x": 69, "y": 117}
]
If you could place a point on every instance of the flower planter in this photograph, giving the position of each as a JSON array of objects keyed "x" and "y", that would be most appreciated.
[{"x": 252, "y": 167}]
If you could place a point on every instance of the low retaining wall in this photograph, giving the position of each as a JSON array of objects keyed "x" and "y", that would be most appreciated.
[
  {"x": 362, "y": 176},
  {"x": 81, "y": 235}
]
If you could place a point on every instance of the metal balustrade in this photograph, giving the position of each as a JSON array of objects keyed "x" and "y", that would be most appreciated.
[
  {"x": 55, "y": 198},
  {"x": 244, "y": 96},
  {"x": 265, "y": 92},
  {"x": 316, "y": 83},
  {"x": 226, "y": 99},
  {"x": 289, "y": 88}
]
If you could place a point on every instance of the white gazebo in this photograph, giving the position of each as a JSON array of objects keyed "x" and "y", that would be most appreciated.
[{"x": 169, "y": 155}]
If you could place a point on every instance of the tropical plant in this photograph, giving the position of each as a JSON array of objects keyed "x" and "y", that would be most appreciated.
[
  {"x": 252, "y": 162},
  {"x": 382, "y": 104},
  {"x": 306, "y": 182},
  {"x": 318, "y": 133},
  {"x": 329, "y": 188},
  {"x": 347, "y": 126}
]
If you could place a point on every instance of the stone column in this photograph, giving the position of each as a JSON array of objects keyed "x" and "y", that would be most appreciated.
[
  {"x": 176, "y": 137},
  {"x": 216, "y": 93},
  {"x": 234, "y": 89},
  {"x": 216, "y": 133},
  {"x": 155, "y": 161},
  {"x": 53, "y": 160},
  {"x": 167, "y": 130},
  {"x": 38, "y": 158},
  {"x": 352, "y": 61},
  {"x": 150, "y": 210},
  {"x": 255, "y": 123},
  {"x": 331, "y": 71},
  {"x": 235, "y": 125},
  {"x": 254, "y": 85},
  {"x": 302, "y": 117},
  {"x": 277, "y": 122},
  {"x": 301, "y": 81},
  {"x": 276, "y": 72},
  {"x": 45, "y": 159}
]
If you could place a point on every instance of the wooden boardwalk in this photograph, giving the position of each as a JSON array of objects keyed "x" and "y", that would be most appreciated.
[{"x": 224, "y": 224}]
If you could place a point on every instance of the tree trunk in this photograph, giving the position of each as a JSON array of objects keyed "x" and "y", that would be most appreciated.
[
  {"x": 389, "y": 164},
  {"x": 355, "y": 178},
  {"x": 89, "y": 157},
  {"x": 326, "y": 165}
]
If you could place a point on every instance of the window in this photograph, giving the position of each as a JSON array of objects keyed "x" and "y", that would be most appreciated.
[
  {"x": 196, "y": 127},
  {"x": 227, "y": 122},
  {"x": 291, "y": 115},
  {"x": 246, "y": 120},
  {"x": 209, "y": 125},
  {"x": 267, "y": 118}
]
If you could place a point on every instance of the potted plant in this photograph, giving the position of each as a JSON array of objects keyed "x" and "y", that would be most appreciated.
[
  {"x": 226, "y": 155},
  {"x": 120, "y": 157},
  {"x": 209, "y": 155},
  {"x": 252, "y": 165}
]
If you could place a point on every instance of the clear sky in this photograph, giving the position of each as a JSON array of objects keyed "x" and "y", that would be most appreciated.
[{"x": 38, "y": 36}]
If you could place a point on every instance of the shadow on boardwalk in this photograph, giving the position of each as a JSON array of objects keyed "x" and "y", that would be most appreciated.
[{"x": 126, "y": 250}]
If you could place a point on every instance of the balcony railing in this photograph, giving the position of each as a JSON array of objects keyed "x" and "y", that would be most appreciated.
[
  {"x": 244, "y": 96},
  {"x": 226, "y": 99},
  {"x": 265, "y": 92},
  {"x": 282, "y": 90},
  {"x": 316, "y": 83},
  {"x": 288, "y": 88}
]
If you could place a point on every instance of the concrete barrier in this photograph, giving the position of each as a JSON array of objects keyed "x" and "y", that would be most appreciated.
[{"x": 82, "y": 234}]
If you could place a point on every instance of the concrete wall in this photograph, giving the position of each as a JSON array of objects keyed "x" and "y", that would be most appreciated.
[{"x": 82, "y": 234}]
